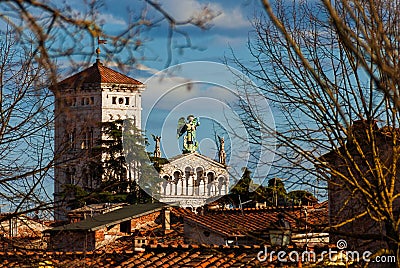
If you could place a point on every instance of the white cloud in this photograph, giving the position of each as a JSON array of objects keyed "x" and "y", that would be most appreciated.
[
  {"x": 108, "y": 18},
  {"x": 143, "y": 67},
  {"x": 182, "y": 10},
  {"x": 231, "y": 41},
  {"x": 231, "y": 19},
  {"x": 227, "y": 18}
]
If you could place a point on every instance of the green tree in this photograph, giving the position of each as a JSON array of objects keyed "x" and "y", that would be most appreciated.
[
  {"x": 140, "y": 166},
  {"x": 115, "y": 177},
  {"x": 301, "y": 197},
  {"x": 243, "y": 185},
  {"x": 276, "y": 192},
  {"x": 123, "y": 166}
]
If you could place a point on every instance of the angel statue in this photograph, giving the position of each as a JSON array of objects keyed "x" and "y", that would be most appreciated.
[
  {"x": 157, "y": 150},
  {"x": 190, "y": 144}
]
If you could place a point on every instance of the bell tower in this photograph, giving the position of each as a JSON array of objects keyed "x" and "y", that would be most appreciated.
[{"x": 83, "y": 101}]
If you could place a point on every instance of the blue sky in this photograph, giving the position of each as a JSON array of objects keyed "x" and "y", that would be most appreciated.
[
  {"x": 201, "y": 92},
  {"x": 200, "y": 85},
  {"x": 210, "y": 95},
  {"x": 229, "y": 29}
]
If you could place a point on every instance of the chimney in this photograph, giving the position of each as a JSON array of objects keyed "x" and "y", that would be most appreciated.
[{"x": 166, "y": 219}]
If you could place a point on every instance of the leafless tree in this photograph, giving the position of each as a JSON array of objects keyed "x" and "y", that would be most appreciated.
[
  {"x": 25, "y": 130},
  {"x": 35, "y": 35},
  {"x": 330, "y": 70},
  {"x": 63, "y": 31}
]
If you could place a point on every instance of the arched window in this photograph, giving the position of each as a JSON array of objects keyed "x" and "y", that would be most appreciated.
[
  {"x": 85, "y": 177},
  {"x": 199, "y": 173},
  {"x": 72, "y": 138},
  {"x": 210, "y": 177},
  {"x": 69, "y": 175},
  {"x": 84, "y": 142}
]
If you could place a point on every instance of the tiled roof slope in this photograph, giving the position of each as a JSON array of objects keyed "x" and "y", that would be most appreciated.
[
  {"x": 156, "y": 256},
  {"x": 111, "y": 218},
  {"x": 98, "y": 73},
  {"x": 236, "y": 222}
]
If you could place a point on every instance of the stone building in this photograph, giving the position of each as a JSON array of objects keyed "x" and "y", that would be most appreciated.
[
  {"x": 82, "y": 102},
  {"x": 100, "y": 230},
  {"x": 349, "y": 209},
  {"x": 192, "y": 179},
  {"x": 251, "y": 226}
]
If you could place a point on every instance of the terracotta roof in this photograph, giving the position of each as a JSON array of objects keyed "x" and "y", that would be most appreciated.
[
  {"x": 111, "y": 218},
  {"x": 98, "y": 73},
  {"x": 237, "y": 222},
  {"x": 154, "y": 256}
]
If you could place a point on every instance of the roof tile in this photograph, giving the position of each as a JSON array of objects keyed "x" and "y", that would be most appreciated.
[{"x": 98, "y": 73}]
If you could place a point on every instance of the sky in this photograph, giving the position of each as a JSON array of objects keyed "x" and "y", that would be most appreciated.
[
  {"x": 195, "y": 81},
  {"x": 229, "y": 29}
]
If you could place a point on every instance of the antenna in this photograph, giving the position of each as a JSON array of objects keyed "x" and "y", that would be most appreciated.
[{"x": 99, "y": 42}]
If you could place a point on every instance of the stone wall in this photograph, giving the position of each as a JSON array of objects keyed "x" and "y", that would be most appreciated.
[
  {"x": 74, "y": 241},
  {"x": 199, "y": 235},
  {"x": 347, "y": 203},
  {"x": 140, "y": 222}
]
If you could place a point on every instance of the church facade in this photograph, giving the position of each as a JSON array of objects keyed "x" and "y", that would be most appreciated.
[{"x": 191, "y": 180}]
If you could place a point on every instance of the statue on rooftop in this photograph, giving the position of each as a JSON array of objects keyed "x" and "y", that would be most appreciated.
[
  {"x": 157, "y": 150},
  {"x": 221, "y": 151},
  {"x": 190, "y": 144}
]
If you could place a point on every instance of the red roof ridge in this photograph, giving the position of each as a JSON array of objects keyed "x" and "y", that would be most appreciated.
[
  {"x": 98, "y": 73},
  {"x": 131, "y": 252}
]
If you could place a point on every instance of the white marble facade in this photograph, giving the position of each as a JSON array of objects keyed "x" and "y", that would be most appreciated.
[{"x": 190, "y": 180}]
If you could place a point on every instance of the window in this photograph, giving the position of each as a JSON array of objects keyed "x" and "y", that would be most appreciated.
[
  {"x": 69, "y": 174},
  {"x": 84, "y": 143},
  {"x": 91, "y": 100},
  {"x": 71, "y": 139},
  {"x": 70, "y": 101},
  {"x": 114, "y": 100},
  {"x": 121, "y": 100},
  {"x": 126, "y": 100},
  {"x": 91, "y": 138},
  {"x": 125, "y": 227}
]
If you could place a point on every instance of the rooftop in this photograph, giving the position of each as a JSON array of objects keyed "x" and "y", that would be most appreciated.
[
  {"x": 240, "y": 222},
  {"x": 98, "y": 73},
  {"x": 154, "y": 256},
  {"x": 111, "y": 218}
]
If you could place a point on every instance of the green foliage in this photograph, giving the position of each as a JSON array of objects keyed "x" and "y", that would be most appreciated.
[
  {"x": 135, "y": 154},
  {"x": 273, "y": 194},
  {"x": 118, "y": 158},
  {"x": 301, "y": 197},
  {"x": 242, "y": 187},
  {"x": 276, "y": 192},
  {"x": 114, "y": 170},
  {"x": 158, "y": 162},
  {"x": 75, "y": 194},
  {"x": 241, "y": 191}
]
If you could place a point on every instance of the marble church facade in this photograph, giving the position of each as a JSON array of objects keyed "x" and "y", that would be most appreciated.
[{"x": 191, "y": 180}]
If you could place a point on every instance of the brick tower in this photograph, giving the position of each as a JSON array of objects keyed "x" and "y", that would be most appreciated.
[{"x": 82, "y": 102}]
